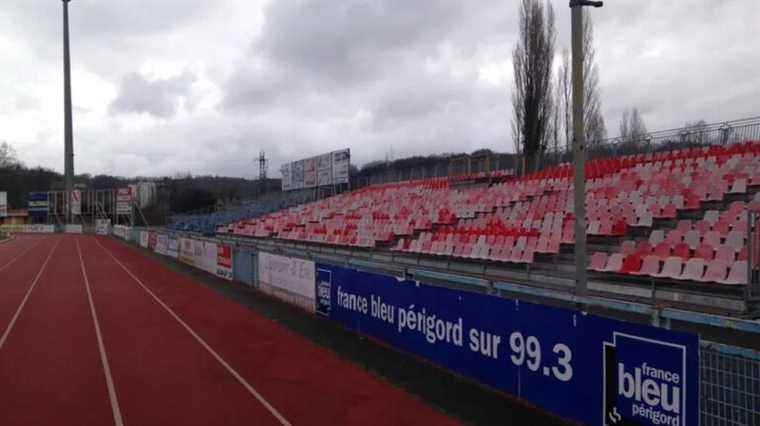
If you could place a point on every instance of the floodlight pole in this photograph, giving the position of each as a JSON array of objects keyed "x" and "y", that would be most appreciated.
[
  {"x": 68, "y": 132},
  {"x": 579, "y": 144}
]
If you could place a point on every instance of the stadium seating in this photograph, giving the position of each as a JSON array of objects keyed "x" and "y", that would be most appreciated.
[{"x": 669, "y": 215}]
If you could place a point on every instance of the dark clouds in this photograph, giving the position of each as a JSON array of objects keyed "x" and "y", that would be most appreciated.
[
  {"x": 160, "y": 97},
  {"x": 203, "y": 86}
]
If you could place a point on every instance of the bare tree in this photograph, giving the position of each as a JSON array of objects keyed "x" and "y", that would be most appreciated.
[
  {"x": 563, "y": 97},
  {"x": 533, "y": 58},
  {"x": 7, "y": 155},
  {"x": 595, "y": 129},
  {"x": 632, "y": 127}
]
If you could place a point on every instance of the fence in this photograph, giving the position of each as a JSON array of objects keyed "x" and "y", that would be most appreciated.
[
  {"x": 729, "y": 386},
  {"x": 753, "y": 256},
  {"x": 697, "y": 135},
  {"x": 729, "y": 375}
]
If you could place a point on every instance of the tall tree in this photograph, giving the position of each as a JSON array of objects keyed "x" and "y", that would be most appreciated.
[
  {"x": 7, "y": 155},
  {"x": 595, "y": 128},
  {"x": 563, "y": 97},
  {"x": 533, "y": 58},
  {"x": 632, "y": 126}
]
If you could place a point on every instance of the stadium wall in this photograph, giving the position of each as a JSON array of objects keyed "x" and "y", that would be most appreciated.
[{"x": 718, "y": 381}]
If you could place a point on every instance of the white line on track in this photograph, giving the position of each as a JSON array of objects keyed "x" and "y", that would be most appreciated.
[
  {"x": 117, "y": 419},
  {"x": 10, "y": 262},
  {"x": 203, "y": 343},
  {"x": 26, "y": 297}
]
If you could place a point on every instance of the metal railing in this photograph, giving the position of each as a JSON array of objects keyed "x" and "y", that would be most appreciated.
[
  {"x": 697, "y": 135},
  {"x": 729, "y": 386}
]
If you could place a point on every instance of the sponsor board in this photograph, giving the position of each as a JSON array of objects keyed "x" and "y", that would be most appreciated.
[
  {"x": 152, "y": 240},
  {"x": 124, "y": 197},
  {"x": 162, "y": 244},
  {"x": 172, "y": 249},
  {"x": 123, "y": 232},
  {"x": 341, "y": 163},
  {"x": 76, "y": 202},
  {"x": 38, "y": 229},
  {"x": 287, "y": 278},
  {"x": 186, "y": 251},
  {"x": 73, "y": 228},
  {"x": 37, "y": 204},
  {"x": 327, "y": 169},
  {"x": 144, "y": 239},
  {"x": 103, "y": 227},
  {"x": 3, "y": 204},
  {"x": 224, "y": 261},
  {"x": 286, "y": 177},
  {"x": 583, "y": 367}
]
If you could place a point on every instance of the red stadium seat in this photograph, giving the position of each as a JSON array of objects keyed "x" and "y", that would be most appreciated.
[
  {"x": 631, "y": 264},
  {"x": 671, "y": 269},
  {"x": 737, "y": 275},
  {"x": 650, "y": 266},
  {"x": 614, "y": 263},
  {"x": 598, "y": 261},
  {"x": 694, "y": 270},
  {"x": 716, "y": 271},
  {"x": 705, "y": 251}
]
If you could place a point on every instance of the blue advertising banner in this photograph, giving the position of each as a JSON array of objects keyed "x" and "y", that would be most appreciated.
[
  {"x": 579, "y": 366},
  {"x": 37, "y": 204}
]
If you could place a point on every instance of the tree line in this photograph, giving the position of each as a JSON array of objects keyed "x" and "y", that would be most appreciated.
[{"x": 542, "y": 91}]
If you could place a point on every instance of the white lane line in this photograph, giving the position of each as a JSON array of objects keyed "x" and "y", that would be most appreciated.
[
  {"x": 19, "y": 256},
  {"x": 203, "y": 343},
  {"x": 117, "y": 419},
  {"x": 26, "y": 297}
]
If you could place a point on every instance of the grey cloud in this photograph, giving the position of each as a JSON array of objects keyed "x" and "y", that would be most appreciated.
[{"x": 160, "y": 97}]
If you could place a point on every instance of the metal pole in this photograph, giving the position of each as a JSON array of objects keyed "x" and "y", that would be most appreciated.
[
  {"x": 579, "y": 154},
  {"x": 68, "y": 129},
  {"x": 579, "y": 144}
]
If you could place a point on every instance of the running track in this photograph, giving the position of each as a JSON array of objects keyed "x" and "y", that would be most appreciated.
[{"x": 94, "y": 333}]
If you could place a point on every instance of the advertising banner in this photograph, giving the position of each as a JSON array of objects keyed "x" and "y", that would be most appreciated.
[
  {"x": 162, "y": 244},
  {"x": 73, "y": 229},
  {"x": 324, "y": 170},
  {"x": 124, "y": 200},
  {"x": 37, "y": 204},
  {"x": 76, "y": 202},
  {"x": 224, "y": 261},
  {"x": 152, "y": 240},
  {"x": 341, "y": 161},
  {"x": 172, "y": 249},
  {"x": 297, "y": 173},
  {"x": 39, "y": 229},
  {"x": 3, "y": 204},
  {"x": 209, "y": 257},
  {"x": 286, "y": 181},
  {"x": 123, "y": 232},
  {"x": 583, "y": 367},
  {"x": 186, "y": 251},
  {"x": 103, "y": 227},
  {"x": 287, "y": 278},
  {"x": 310, "y": 173},
  {"x": 144, "y": 239}
]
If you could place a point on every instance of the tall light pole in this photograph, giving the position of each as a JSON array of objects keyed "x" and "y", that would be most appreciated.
[
  {"x": 68, "y": 132},
  {"x": 579, "y": 144}
]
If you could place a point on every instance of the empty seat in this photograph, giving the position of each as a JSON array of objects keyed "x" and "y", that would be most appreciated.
[
  {"x": 716, "y": 271},
  {"x": 684, "y": 225},
  {"x": 712, "y": 216},
  {"x": 712, "y": 238},
  {"x": 692, "y": 238},
  {"x": 693, "y": 270},
  {"x": 681, "y": 250},
  {"x": 735, "y": 239},
  {"x": 662, "y": 250},
  {"x": 628, "y": 247},
  {"x": 725, "y": 253},
  {"x": 614, "y": 263},
  {"x": 598, "y": 261},
  {"x": 671, "y": 269},
  {"x": 737, "y": 275},
  {"x": 739, "y": 187},
  {"x": 631, "y": 264},
  {"x": 650, "y": 266},
  {"x": 705, "y": 251},
  {"x": 674, "y": 237}
]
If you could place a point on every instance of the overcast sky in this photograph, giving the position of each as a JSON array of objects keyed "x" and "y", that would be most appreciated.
[{"x": 201, "y": 86}]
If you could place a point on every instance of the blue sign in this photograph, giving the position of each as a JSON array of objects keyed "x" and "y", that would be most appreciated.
[
  {"x": 37, "y": 204},
  {"x": 579, "y": 366}
]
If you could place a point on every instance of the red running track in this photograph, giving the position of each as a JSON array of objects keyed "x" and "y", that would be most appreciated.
[{"x": 97, "y": 334}]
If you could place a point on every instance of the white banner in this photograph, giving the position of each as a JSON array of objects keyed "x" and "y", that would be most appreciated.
[
  {"x": 39, "y": 229},
  {"x": 144, "y": 239},
  {"x": 76, "y": 202},
  {"x": 294, "y": 276},
  {"x": 3, "y": 204},
  {"x": 173, "y": 247},
  {"x": 186, "y": 251},
  {"x": 286, "y": 182},
  {"x": 162, "y": 244},
  {"x": 209, "y": 257},
  {"x": 123, "y": 232},
  {"x": 72, "y": 228},
  {"x": 324, "y": 170},
  {"x": 341, "y": 161},
  {"x": 124, "y": 200},
  {"x": 103, "y": 226},
  {"x": 224, "y": 261}
]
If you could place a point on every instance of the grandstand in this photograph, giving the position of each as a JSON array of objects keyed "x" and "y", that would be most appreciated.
[{"x": 673, "y": 220}]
